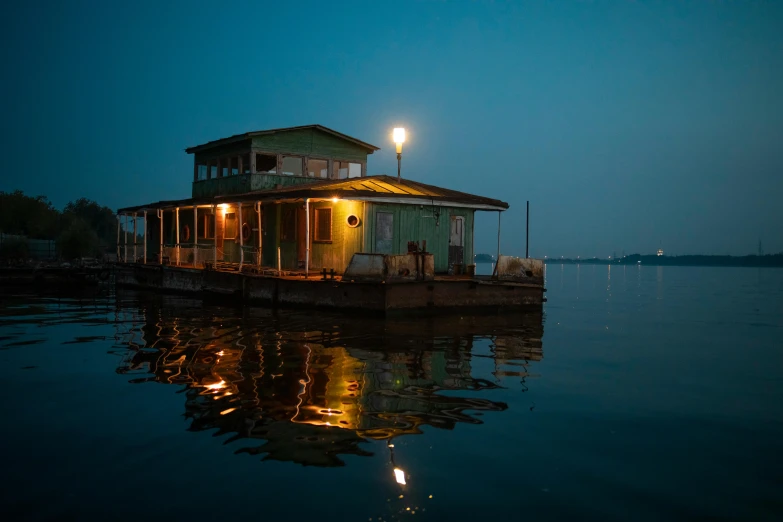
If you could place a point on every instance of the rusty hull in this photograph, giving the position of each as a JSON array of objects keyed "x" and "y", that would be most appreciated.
[{"x": 446, "y": 294}]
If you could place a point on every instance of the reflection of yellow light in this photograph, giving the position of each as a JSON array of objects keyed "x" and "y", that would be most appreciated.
[
  {"x": 220, "y": 353},
  {"x": 217, "y": 385},
  {"x": 399, "y": 476},
  {"x": 335, "y": 200},
  {"x": 226, "y": 412}
]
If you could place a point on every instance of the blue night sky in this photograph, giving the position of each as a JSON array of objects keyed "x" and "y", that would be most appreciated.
[{"x": 628, "y": 125}]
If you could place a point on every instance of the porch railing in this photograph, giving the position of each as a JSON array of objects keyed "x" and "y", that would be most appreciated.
[
  {"x": 251, "y": 256},
  {"x": 204, "y": 254}
]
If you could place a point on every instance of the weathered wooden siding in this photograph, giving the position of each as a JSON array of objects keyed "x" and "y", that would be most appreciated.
[
  {"x": 271, "y": 234},
  {"x": 288, "y": 248},
  {"x": 242, "y": 183},
  {"x": 419, "y": 223},
  {"x": 310, "y": 142}
]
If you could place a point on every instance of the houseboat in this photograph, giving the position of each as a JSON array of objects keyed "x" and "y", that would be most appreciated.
[{"x": 290, "y": 217}]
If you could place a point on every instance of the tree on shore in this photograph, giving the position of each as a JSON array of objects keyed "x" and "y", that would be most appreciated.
[
  {"x": 78, "y": 240},
  {"x": 37, "y": 218}
]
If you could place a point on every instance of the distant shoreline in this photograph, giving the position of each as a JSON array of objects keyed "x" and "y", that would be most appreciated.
[
  {"x": 753, "y": 261},
  {"x": 767, "y": 261}
]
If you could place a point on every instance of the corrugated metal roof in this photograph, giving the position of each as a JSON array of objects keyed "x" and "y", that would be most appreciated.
[
  {"x": 245, "y": 135},
  {"x": 386, "y": 188},
  {"x": 371, "y": 187}
]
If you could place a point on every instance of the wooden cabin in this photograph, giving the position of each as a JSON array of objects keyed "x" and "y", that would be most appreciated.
[{"x": 300, "y": 199}]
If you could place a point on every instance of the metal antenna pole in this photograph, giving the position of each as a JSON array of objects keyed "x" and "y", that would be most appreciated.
[{"x": 527, "y": 231}]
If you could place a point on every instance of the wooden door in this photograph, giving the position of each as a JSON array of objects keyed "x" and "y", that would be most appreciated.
[
  {"x": 457, "y": 241},
  {"x": 384, "y": 233}
]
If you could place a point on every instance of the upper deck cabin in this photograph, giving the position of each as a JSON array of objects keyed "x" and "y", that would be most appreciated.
[{"x": 276, "y": 158}]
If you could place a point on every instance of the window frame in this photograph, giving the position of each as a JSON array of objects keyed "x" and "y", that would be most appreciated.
[
  {"x": 316, "y": 158},
  {"x": 301, "y": 165},
  {"x": 336, "y": 170},
  {"x": 316, "y": 238},
  {"x": 206, "y": 229},
  {"x": 225, "y": 227}
]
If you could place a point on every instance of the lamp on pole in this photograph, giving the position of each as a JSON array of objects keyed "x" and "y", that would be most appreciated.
[{"x": 399, "y": 139}]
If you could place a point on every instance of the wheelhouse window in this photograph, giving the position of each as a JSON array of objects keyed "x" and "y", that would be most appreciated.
[
  {"x": 266, "y": 163},
  {"x": 318, "y": 168},
  {"x": 288, "y": 225},
  {"x": 344, "y": 170},
  {"x": 323, "y": 225},
  {"x": 292, "y": 166},
  {"x": 230, "y": 226}
]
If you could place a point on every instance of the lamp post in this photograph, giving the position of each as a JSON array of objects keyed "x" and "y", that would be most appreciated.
[{"x": 399, "y": 139}]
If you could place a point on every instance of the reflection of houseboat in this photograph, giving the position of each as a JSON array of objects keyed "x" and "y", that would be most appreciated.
[
  {"x": 289, "y": 216},
  {"x": 314, "y": 387}
]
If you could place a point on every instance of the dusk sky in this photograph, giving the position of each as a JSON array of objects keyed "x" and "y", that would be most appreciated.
[{"x": 628, "y": 125}]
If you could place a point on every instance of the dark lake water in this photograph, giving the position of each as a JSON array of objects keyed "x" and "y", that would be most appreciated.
[{"x": 641, "y": 393}]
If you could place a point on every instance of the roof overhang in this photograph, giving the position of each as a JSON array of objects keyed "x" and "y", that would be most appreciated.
[{"x": 240, "y": 137}]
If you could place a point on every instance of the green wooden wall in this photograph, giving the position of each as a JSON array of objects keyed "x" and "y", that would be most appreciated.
[
  {"x": 336, "y": 254},
  {"x": 310, "y": 142},
  {"x": 346, "y": 240},
  {"x": 419, "y": 223}
]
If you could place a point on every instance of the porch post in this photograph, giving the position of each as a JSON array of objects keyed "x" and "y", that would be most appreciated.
[
  {"x": 239, "y": 165},
  {"x": 252, "y": 161},
  {"x": 214, "y": 236},
  {"x": 145, "y": 237},
  {"x": 135, "y": 235},
  {"x": 195, "y": 235},
  {"x": 498, "y": 258},
  {"x": 118, "y": 237},
  {"x": 307, "y": 237},
  {"x": 260, "y": 237},
  {"x": 125, "y": 252},
  {"x": 160, "y": 253},
  {"x": 241, "y": 242},
  {"x": 177, "y": 225},
  {"x": 219, "y": 171}
]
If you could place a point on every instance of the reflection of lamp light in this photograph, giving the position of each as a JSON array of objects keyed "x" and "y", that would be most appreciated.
[
  {"x": 399, "y": 476},
  {"x": 399, "y": 138}
]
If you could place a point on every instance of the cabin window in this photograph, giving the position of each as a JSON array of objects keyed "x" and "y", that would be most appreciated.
[
  {"x": 233, "y": 165},
  {"x": 206, "y": 227},
  {"x": 266, "y": 163},
  {"x": 344, "y": 170},
  {"x": 212, "y": 171},
  {"x": 317, "y": 168},
  {"x": 323, "y": 225},
  {"x": 288, "y": 225},
  {"x": 230, "y": 224},
  {"x": 202, "y": 172},
  {"x": 292, "y": 166}
]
